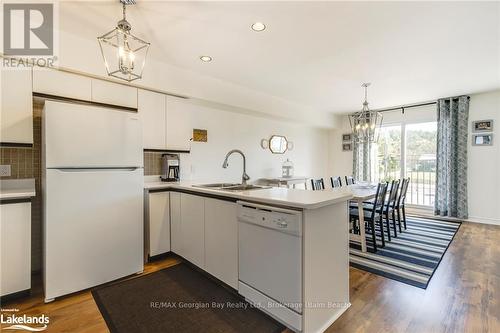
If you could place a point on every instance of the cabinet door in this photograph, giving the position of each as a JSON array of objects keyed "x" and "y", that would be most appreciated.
[
  {"x": 153, "y": 114},
  {"x": 179, "y": 123},
  {"x": 15, "y": 247},
  {"x": 221, "y": 241},
  {"x": 16, "y": 117},
  {"x": 114, "y": 93},
  {"x": 58, "y": 83},
  {"x": 159, "y": 223},
  {"x": 193, "y": 229},
  {"x": 175, "y": 223}
]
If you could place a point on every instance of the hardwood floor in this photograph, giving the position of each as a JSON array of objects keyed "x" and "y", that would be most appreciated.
[{"x": 463, "y": 295}]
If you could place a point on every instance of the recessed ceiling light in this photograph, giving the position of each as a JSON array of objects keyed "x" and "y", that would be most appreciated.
[
  {"x": 206, "y": 58},
  {"x": 258, "y": 26}
]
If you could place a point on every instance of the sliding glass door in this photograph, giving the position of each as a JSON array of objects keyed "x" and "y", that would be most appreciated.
[
  {"x": 408, "y": 150},
  {"x": 387, "y": 154},
  {"x": 420, "y": 162}
]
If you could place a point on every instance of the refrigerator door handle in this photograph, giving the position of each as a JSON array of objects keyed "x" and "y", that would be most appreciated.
[{"x": 95, "y": 169}]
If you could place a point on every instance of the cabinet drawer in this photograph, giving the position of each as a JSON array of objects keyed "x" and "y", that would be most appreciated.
[
  {"x": 114, "y": 93},
  {"x": 58, "y": 83}
]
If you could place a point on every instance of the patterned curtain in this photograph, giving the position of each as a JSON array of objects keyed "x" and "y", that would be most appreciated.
[
  {"x": 452, "y": 142},
  {"x": 361, "y": 168}
]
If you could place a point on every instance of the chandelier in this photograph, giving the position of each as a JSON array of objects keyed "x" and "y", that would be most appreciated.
[
  {"x": 124, "y": 54},
  {"x": 365, "y": 124}
]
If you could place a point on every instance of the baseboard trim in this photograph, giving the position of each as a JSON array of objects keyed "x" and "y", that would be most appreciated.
[
  {"x": 472, "y": 219},
  {"x": 333, "y": 319},
  {"x": 484, "y": 220}
]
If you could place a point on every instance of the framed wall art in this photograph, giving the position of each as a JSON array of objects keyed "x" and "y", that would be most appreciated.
[{"x": 479, "y": 126}]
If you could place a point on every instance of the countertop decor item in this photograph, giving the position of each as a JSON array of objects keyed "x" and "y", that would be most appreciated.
[
  {"x": 124, "y": 54},
  {"x": 287, "y": 169}
]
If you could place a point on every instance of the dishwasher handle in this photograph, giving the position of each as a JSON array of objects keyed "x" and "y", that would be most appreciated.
[{"x": 268, "y": 208}]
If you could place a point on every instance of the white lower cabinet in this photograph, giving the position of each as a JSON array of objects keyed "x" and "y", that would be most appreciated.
[
  {"x": 175, "y": 223},
  {"x": 15, "y": 247},
  {"x": 193, "y": 229},
  {"x": 159, "y": 223},
  {"x": 205, "y": 232},
  {"x": 221, "y": 241}
]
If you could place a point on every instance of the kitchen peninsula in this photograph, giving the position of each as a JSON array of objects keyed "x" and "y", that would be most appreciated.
[{"x": 284, "y": 250}]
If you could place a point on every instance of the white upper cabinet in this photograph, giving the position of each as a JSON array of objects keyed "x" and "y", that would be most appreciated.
[
  {"x": 16, "y": 113},
  {"x": 114, "y": 93},
  {"x": 179, "y": 123},
  {"x": 63, "y": 84},
  {"x": 153, "y": 113}
]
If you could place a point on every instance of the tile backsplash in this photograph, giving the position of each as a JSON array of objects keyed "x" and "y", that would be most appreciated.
[{"x": 152, "y": 163}]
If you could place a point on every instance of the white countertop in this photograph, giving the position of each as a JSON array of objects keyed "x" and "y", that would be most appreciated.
[
  {"x": 296, "y": 198},
  {"x": 17, "y": 188}
]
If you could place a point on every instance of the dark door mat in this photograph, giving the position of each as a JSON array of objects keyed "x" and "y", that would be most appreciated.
[{"x": 178, "y": 299}]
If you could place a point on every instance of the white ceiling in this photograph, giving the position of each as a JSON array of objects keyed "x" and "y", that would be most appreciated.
[{"x": 318, "y": 53}]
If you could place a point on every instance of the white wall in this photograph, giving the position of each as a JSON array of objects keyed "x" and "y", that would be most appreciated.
[
  {"x": 339, "y": 162},
  {"x": 228, "y": 130},
  {"x": 483, "y": 162}
]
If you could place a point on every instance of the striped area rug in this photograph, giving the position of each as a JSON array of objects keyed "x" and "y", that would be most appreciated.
[{"x": 412, "y": 257}]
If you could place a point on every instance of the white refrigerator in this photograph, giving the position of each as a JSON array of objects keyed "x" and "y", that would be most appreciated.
[{"x": 92, "y": 178}]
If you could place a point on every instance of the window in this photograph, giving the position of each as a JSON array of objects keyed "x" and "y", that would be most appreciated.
[{"x": 408, "y": 150}]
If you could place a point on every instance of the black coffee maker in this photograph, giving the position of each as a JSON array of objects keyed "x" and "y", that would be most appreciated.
[{"x": 170, "y": 168}]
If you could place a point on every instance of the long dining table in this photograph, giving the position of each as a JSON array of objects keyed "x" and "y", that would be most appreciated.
[{"x": 360, "y": 194}]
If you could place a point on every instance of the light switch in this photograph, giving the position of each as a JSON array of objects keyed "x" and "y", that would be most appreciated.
[{"x": 5, "y": 170}]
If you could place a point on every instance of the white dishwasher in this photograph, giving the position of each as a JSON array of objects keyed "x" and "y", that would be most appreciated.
[{"x": 270, "y": 260}]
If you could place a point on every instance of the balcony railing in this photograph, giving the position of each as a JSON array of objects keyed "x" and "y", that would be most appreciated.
[{"x": 420, "y": 169}]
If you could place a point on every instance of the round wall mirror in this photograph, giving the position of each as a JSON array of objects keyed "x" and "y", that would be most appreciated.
[{"x": 278, "y": 144}]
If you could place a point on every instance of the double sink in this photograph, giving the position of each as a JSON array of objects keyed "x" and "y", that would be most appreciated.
[{"x": 231, "y": 187}]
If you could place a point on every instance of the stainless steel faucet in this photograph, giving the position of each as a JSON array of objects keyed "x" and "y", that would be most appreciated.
[{"x": 244, "y": 177}]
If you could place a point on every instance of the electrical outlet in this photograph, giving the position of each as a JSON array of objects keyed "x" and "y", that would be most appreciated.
[{"x": 5, "y": 170}]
